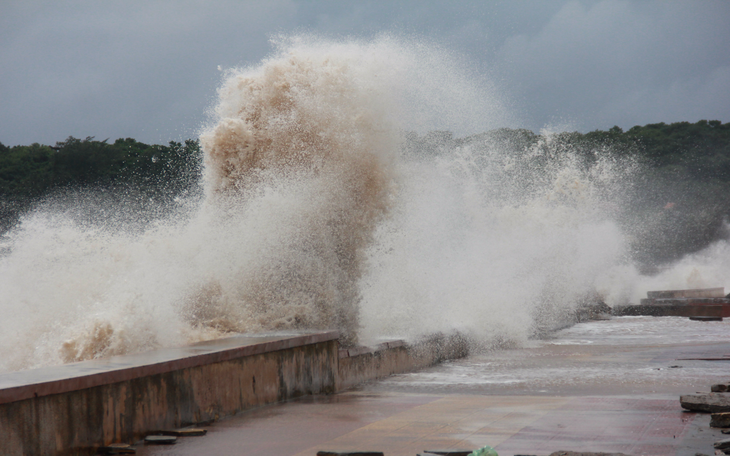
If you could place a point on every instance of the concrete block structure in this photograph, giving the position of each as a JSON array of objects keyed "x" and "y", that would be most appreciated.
[{"x": 80, "y": 407}]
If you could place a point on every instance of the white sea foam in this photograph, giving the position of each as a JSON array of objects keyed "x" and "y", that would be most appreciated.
[{"x": 318, "y": 212}]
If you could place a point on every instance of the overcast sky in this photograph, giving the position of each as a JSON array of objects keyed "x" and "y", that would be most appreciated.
[{"x": 149, "y": 69}]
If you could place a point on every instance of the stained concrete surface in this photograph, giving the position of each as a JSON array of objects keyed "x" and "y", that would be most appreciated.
[
  {"x": 626, "y": 355},
  {"x": 608, "y": 386},
  {"x": 16, "y": 386},
  {"x": 73, "y": 408}
]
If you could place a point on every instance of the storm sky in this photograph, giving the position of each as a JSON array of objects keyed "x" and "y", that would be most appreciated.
[{"x": 149, "y": 69}]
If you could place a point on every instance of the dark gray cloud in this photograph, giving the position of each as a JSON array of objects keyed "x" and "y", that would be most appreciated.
[
  {"x": 148, "y": 70},
  {"x": 624, "y": 63},
  {"x": 123, "y": 69}
]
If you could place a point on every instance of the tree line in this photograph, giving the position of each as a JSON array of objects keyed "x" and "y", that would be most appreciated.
[
  {"x": 678, "y": 204},
  {"x": 677, "y": 200},
  {"x": 30, "y": 173}
]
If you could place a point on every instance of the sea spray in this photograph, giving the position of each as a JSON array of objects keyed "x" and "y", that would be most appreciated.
[
  {"x": 495, "y": 240},
  {"x": 326, "y": 203},
  {"x": 315, "y": 121},
  {"x": 322, "y": 122},
  {"x": 300, "y": 168}
]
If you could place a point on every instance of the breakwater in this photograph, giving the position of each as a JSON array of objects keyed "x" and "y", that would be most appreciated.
[{"x": 80, "y": 407}]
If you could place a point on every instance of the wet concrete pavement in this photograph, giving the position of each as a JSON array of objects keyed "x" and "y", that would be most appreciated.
[{"x": 609, "y": 386}]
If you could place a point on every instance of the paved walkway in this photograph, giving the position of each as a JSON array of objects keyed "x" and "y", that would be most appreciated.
[
  {"x": 627, "y": 402},
  {"x": 405, "y": 424}
]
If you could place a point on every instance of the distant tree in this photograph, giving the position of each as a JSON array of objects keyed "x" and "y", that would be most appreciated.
[
  {"x": 679, "y": 203},
  {"x": 28, "y": 173}
]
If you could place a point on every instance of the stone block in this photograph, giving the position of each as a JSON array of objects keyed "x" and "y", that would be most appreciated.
[
  {"x": 720, "y": 420},
  {"x": 710, "y": 402},
  {"x": 580, "y": 453},
  {"x": 453, "y": 452},
  {"x": 722, "y": 444},
  {"x": 349, "y": 453}
]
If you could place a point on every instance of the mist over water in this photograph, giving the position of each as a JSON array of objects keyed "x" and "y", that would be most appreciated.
[{"x": 326, "y": 204}]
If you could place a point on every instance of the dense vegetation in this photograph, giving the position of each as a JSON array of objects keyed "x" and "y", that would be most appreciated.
[
  {"x": 678, "y": 201},
  {"x": 146, "y": 172},
  {"x": 676, "y": 198}
]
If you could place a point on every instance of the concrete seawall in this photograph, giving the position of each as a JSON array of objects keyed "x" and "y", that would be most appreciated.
[
  {"x": 698, "y": 302},
  {"x": 77, "y": 408},
  {"x": 361, "y": 364}
]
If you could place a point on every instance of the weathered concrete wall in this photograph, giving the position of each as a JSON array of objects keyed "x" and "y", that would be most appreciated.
[
  {"x": 699, "y": 302},
  {"x": 76, "y": 408},
  {"x": 718, "y": 292},
  {"x": 362, "y": 364},
  {"x": 675, "y": 310},
  {"x": 75, "y": 421}
]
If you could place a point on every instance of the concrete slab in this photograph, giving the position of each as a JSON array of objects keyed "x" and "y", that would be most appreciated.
[
  {"x": 406, "y": 424},
  {"x": 610, "y": 388}
]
